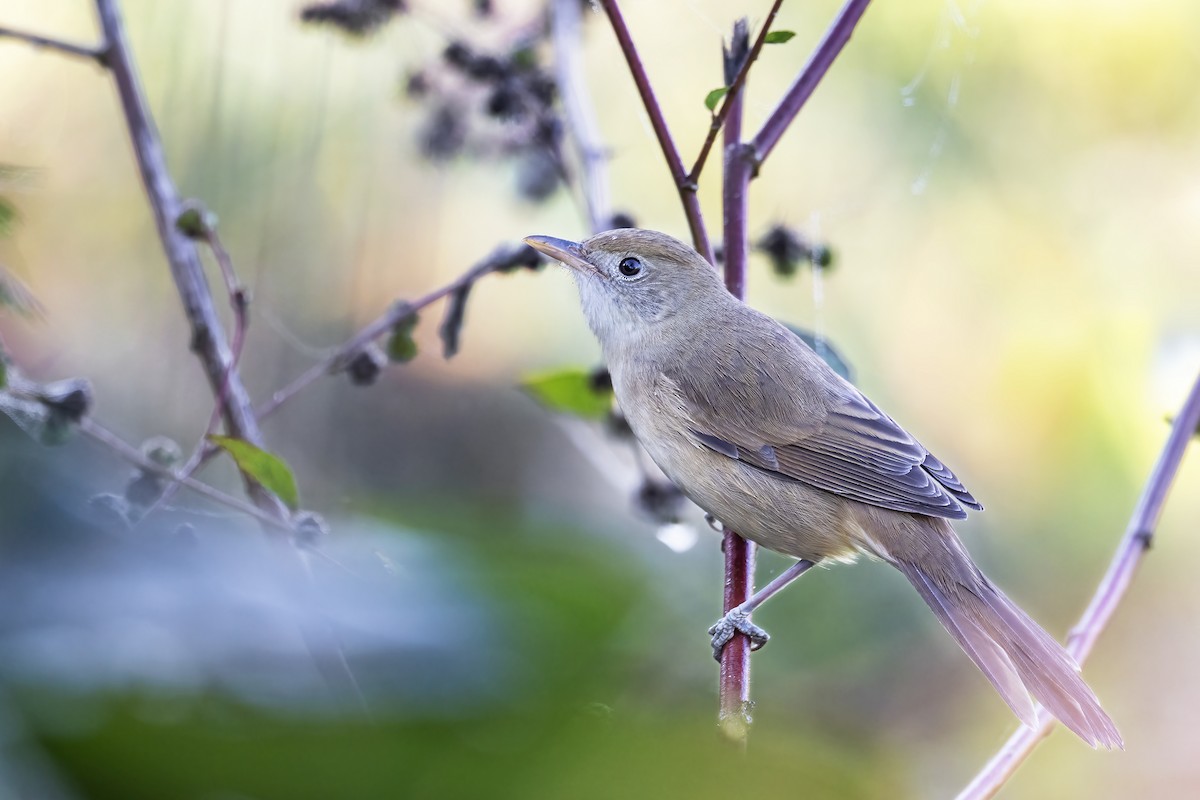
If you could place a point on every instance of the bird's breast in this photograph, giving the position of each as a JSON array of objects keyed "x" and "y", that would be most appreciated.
[{"x": 778, "y": 513}]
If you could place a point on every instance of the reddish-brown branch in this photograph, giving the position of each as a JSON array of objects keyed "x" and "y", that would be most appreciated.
[
  {"x": 734, "y": 89},
  {"x": 810, "y": 75},
  {"x": 687, "y": 194},
  {"x": 739, "y": 553},
  {"x": 1130, "y": 552}
]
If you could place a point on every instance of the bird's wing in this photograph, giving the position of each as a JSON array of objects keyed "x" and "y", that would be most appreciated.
[{"x": 822, "y": 432}]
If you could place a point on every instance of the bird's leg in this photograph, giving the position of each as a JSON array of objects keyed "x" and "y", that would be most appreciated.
[{"x": 738, "y": 618}]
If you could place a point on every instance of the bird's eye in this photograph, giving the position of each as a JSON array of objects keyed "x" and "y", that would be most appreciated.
[{"x": 629, "y": 267}]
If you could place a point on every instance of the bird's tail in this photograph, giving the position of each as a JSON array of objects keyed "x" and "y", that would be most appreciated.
[{"x": 1012, "y": 650}]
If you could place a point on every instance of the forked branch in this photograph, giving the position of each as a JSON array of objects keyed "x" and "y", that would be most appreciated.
[
  {"x": 687, "y": 196},
  {"x": 734, "y": 88},
  {"x": 97, "y": 54},
  {"x": 810, "y": 76}
]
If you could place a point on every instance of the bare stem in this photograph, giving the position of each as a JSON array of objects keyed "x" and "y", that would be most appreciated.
[
  {"x": 400, "y": 310},
  {"x": 739, "y": 553},
  {"x": 734, "y": 89},
  {"x": 503, "y": 256},
  {"x": 240, "y": 304},
  {"x": 810, "y": 75},
  {"x": 581, "y": 119},
  {"x": 687, "y": 194},
  {"x": 1130, "y": 552},
  {"x": 96, "y": 54},
  {"x": 208, "y": 338}
]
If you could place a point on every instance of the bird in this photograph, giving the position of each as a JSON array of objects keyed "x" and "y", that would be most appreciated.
[{"x": 754, "y": 427}]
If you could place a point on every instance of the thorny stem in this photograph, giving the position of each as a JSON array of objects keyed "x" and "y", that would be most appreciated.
[
  {"x": 1130, "y": 552},
  {"x": 691, "y": 203},
  {"x": 739, "y": 553},
  {"x": 810, "y": 75},
  {"x": 734, "y": 89},
  {"x": 581, "y": 118},
  {"x": 82, "y": 51}
]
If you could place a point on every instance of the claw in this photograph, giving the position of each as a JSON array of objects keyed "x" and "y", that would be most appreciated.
[{"x": 736, "y": 621}]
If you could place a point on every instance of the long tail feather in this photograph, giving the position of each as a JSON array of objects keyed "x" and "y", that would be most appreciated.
[{"x": 1015, "y": 654}]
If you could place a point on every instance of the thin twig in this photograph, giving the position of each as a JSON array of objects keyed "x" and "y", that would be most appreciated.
[
  {"x": 739, "y": 553},
  {"x": 810, "y": 75},
  {"x": 503, "y": 257},
  {"x": 734, "y": 89},
  {"x": 239, "y": 302},
  {"x": 691, "y": 203},
  {"x": 97, "y": 54},
  {"x": 1132, "y": 549},
  {"x": 94, "y": 430},
  {"x": 567, "y": 25}
]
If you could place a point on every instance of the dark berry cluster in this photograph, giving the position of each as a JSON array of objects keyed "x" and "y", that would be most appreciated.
[
  {"x": 788, "y": 249},
  {"x": 493, "y": 105},
  {"x": 354, "y": 17}
]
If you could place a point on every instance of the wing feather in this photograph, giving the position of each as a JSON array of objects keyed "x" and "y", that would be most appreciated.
[{"x": 848, "y": 446}]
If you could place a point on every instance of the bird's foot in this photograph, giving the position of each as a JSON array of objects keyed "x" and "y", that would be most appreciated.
[{"x": 736, "y": 621}]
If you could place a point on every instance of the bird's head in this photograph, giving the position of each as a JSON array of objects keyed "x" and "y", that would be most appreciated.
[{"x": 633, "y": 281}]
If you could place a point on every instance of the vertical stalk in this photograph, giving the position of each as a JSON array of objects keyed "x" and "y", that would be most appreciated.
[{"x": 739, "y": 553}]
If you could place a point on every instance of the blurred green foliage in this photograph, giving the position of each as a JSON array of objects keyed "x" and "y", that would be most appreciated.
[{"x": 571, "y": 390}]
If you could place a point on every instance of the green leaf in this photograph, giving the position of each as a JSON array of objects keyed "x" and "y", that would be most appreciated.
[
  {"x": 8, "y": 216},
  {"x": 401, "y": 347},
  {"x": 825, "y": 350},
  {"x": 570, "y": 391},
  {"x": 268, "y": 469},
  {"x": 778, "y": 37},
  {"x": 712, "y": 98},
  {"x": 3, "y": 372}
]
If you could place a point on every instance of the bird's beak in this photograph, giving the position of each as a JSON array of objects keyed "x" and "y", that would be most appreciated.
[{"x": 569, "y": 253}]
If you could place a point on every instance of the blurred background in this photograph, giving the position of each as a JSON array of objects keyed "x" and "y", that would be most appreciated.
[{"x": 1012, "y": 194}]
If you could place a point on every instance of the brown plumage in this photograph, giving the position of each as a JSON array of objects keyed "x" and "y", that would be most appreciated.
[{"x": 756, "y": 429}]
